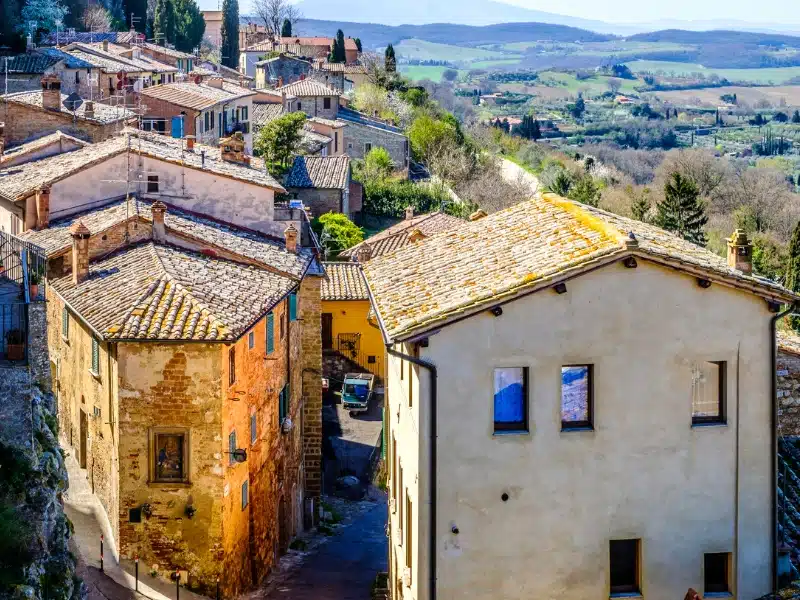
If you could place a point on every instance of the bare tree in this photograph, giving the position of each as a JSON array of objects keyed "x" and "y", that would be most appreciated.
[
  {"x": 95, "y": 18},
  {"x": 708, "y": 172},
  {"x": 762, "y": 200},
  {"x": 614, "y": 85},
  {"x": 273, "y": 13}
]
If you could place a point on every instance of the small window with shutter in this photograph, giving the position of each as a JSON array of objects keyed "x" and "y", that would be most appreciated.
[
  {"x": 270, "y": 333},
  {"x": 95, "y": 357},
  {"x": 292, "y": 307},
  {"x": 65, "y": 323}
]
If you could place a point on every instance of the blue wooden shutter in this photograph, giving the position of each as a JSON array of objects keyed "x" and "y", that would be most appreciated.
[
  {"x": 292, "y": 307},
  {"x": 177, "y": 127},
  {"x": 270, "y": 333}
]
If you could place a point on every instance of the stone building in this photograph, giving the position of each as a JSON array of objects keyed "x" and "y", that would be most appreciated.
[
  {"x": 313, "y": 98},
  {"x": 604, "y": 402},
  {"x": 364, "y": 133},
  {"x": 29, "y": 115},
  {"x": 280, "y": 70},
  {"x": 186, "y": 347},
  {"x": 48, "y": 145},
  {"x": 306, "y": 48},
  {"x": 322, "y": 183},
  {"x": 25, "y": 71}
]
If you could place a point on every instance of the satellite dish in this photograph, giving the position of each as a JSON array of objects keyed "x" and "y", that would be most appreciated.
[{"x": 73, "y": 102}]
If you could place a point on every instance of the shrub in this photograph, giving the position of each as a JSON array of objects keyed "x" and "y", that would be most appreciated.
[{"x": 336, "y": 232}]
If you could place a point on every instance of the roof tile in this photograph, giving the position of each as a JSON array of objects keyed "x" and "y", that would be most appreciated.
[
  {"x": 323, "y": 172},
  {"x": 343, "y": 281}
]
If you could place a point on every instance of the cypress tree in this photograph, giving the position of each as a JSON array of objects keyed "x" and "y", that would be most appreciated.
[
  {"x": 358, "y": 44},
  {"x": 682, "y": 210},
  {"x": 390, "y": 60},
  {"x": 793, "y": 271},
  {"x": 164, "y": 22},
  {"x": 286, "y": 29},
  {"x": 230, "y": 33},
  {"x": 537, "y": 130}
]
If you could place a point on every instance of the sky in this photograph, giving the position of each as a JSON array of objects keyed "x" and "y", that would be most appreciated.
[{"x": 633, "y": 11}]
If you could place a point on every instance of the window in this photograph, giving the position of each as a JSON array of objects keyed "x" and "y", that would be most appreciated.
[
  {"x": 152, "y": 184},
  {"x": 326, "y": 103},
  {"x": 367, "y": 147},
  {"x": 292, "y": 307},
  {"x": 95, "y": 356},
  {"x": 284, "y": 317},
  {"x": 335, "y": 141},
  {"x": 77, "y": 77},
  {"x": 244, "y": 495},
  {"x": 409, "y": 531},
  {"x": 206, "y": 124},
  {"x": 231, "y": 366},
  {"x": 270, "y": 333},
  {"x": 245, "y": 113},
  {"x": 299, "y": 106},
  {"x": 511, "y": 399},
  {"x": 371, "y": 359},
  {"x": 283, "y": 403},
  {"x": 169, "y": 449},
  {"x": 253, "y": 429},
  {"x": 576, "y": 397},
  {"x": 624, "y": 567},
  {"x": 393, "y": 467},
  {"x": 708, "y": 392},
  {"x": 212, "y": 120},
  {"x": 65, "y": 323},
  {"x": 251, "y": 340},
  {"x": 716, "y": 573},
  {"x": 231, "y": 446}
]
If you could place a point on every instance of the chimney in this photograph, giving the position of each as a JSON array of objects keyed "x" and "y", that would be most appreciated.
[
  {"x": 280, "y": 81},
  {"x": 291, "y": 238},
  {"x": 42, "y": 207},
  {"x": 364, "y": 253},
  {"x": 190, "y": 143},
  {"x": 80, "y": 252},
  {"x": 231, "y": 149},
  {"x": 409, "y": 212},
  {"x": 158, "y": 209},
  {"x": 51, "y": 92},
  {"x": 105, "y": 45},
  {"x": 88, "y": 109},
  {"x": 215, "y": 82},
  {"x": 740, "y": 252},
  {"x": 478, "y": 214}
]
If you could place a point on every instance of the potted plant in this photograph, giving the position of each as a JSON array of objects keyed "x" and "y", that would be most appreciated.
[
  {"x": 34, "y": 279},
  {"x": 2, "y": 267},
  {"x": 15, "y": 345}
]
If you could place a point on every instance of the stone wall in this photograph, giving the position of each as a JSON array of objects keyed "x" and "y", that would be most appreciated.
[
  {"x": 27, "y": 122},
  {"x": 788, "y": 393},
  {"x": 310, "y": 313},
  {"x": 319, "y": 200},
  {"x": 286, "y": 68},
  {"x": 357, "y": 135}
]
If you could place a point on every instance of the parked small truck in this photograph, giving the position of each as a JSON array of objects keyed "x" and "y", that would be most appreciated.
[{"x": 357, "y": 392}]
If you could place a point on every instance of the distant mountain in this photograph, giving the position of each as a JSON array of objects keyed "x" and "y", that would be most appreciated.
[
  {"x": 681, "y": 36},
  {"x": 422, "y": 12},
  {"x": 377, "y": 36}
]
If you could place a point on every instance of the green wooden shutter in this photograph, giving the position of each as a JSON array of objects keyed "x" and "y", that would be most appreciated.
[
  {"x": 270, "y": 333},
  {"x": 283, "y": 403},
  {"x": 95, "y": 356},
  {"x": 65, "y": 322},
  {"x": 292, "y": 307},
  {"x": 231, "y": 446},
  {"x": 244, "y": 495}
]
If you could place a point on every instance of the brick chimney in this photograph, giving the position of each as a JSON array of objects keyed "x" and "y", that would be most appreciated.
[
  {"x": 740, "y": 252},
  {"x": 51, "y": 92},
  {"x": 80, "y": 252},
  {"x": 280, "y": 81},
  {"x": 42, "y": 207},
  {"x": 215, "y": 81},
  {"x": 409, "y": 212},
  {"x": 232, "y": 149},
  {"x": 364, "y": 253},
  {"x": 291, "y": 238},
  {"x": 88, "y": 109},
  {"x": 105, "y": 45},
  {"x": 159, "y": 209}
]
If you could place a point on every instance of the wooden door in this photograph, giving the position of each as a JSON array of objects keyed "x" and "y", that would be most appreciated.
[
  {"x": 327, "y": 331},
  {"x": 84, "y": 438}
]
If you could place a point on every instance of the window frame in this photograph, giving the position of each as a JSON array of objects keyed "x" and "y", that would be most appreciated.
[
  {"x": 722, "y": 400},
  {"x": 624, "y": 590},
  {"x": 409, "y": 533},
  {"x": 231, "y": 365},
  {"x": 579, "y": 425},
  {"x": 152, "y": 184},
  {"x": 251, "y": 340},
  {"x": 721, "y": 589},
  {"x": 65, "y": 323},
  {"x": 231, "y": 447},
  {"x": 269, "y": 333},
  {"x": 326, "y": 103},
  {"x": 520, "y": 427},
  {"x": 154, "y": 432},
  {"x": 283, "y": 403},
  {"x": 95, "y": 368},
  {"x": 282, "y": 322},
  {"x": 245, "y": 494}
]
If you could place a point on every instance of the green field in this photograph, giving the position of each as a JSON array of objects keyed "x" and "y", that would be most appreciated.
[
  {"x": 488, "y": 64},
  {"x": 761, "y": 76},
  {"x": 419, "y": 72},
  {"x": 602, "y": 49},
  {"x": 593, "y": 86},
  {"x": 414, "y": 49}
]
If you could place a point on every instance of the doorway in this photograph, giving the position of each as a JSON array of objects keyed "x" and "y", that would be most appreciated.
[
  {"x": 327, "y": 331},
  {"x": 84, "y": 427}
]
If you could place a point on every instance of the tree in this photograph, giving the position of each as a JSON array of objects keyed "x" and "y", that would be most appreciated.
[
  {"x": 278, "y": 139},
  {"x": 682, "y": 211},
  {"x": 96, "y": 18},
  {"x": 164, "y": 22},
  {"x": 45, "y": 14},
  {"x": 585, "y": 190},
  {"x": 614, "y": 85},
  {"x": 377, "y": 164},
  {"x": 780, "y": 117},
  {"x": 390, "y": 60},
  {"x": 640, "y": 203},
  {"x": 336, "y": 233},
  {"x": 190, "y": 26},
  {"x": 338, "y": 54},
  {"x": 358, "y": 44},
  {"x": 450, "y": 74},
  {"x": 9, "y": 25},
  {"x": 793, "y": 271},
  {"x": 286, "y": 28},
  {"x": 229, "y": 50},
  {"x": 578, "y": 108},
  {"x": 274, "y": 13}
]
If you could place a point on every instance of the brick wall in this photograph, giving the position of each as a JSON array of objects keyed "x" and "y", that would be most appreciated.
[
  {"x": 319, "y": 200},
  {"x": 157, "y": 107},
  {"x": 312, "y": 384},
  {"x": 789, "y": 392},
  {"x": 25, "y": 122},
  {"x": 356, "y": 136}
]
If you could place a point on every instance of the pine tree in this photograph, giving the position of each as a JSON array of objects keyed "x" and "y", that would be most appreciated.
[
  {"x": 358, "y": 44},
  {"x": 164, "y": 22},
  {"x": 640, "y": 203},
  {"x": 793, "y": 271},
  {"x": 230, "y": 33},
  {"x": 682, "y": 211},
  {"x": 796, "y": 117},
  {"x": 390, "y": 59},
  {"x": 286, "y": 29}
]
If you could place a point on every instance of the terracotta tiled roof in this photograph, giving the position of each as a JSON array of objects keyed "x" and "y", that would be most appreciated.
[
  {"x": 311, "y": 142},
  {"x": 16, "y": 153},
  {"x": 103, "y": 113},
  {"x": 520, "y": 249},
  {"x": 341, "y": 68},
  {"x": 323, "y": 172},
  {"x": 329, "y": 122},
  {"x": 121, "y": 54},
  {"x": 21, "y": 181},
  {"x": 398, "y": 234},
  {"x": 197, "y": 96},
  {"x": 264, "y": 112},
  {"x": 63, "y": 37},
  {"x": 343, "y": 281},
  {"x": 160, "y": 292},
  {"x": 307, "y": 87},
  {"x": 251, "y": 245},
  {"x": 168, "y": 51}
]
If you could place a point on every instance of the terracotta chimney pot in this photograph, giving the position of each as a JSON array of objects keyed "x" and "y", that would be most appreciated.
[
  {"x": 159, "y": 209},
  {"x": 42, "y": 207},
  {"x": 478, "y": 214},
  {"x": 291, "y": 238},
  {"x": 80, "y": 252},
  {"x": 409, "y": 212}
]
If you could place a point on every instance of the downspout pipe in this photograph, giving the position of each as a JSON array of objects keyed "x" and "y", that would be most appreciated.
[
  {"x": 431, "y": 368},
  {"x": 774, "y": 436}
]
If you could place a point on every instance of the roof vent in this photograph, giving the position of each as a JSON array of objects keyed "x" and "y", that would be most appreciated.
[{"x": 478, "y": 214}]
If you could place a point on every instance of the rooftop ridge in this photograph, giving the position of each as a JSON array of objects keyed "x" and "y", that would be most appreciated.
[{"x": 576, "y": 210}]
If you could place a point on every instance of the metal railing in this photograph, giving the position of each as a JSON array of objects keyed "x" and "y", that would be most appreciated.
[
  {"x": 14, "y": 332},
  {"x": 23, "y": 263},
  {"x": 349, "y": 345}
]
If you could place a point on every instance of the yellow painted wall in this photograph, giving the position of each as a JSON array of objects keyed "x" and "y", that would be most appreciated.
[{"x": 350, "y": 316}]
